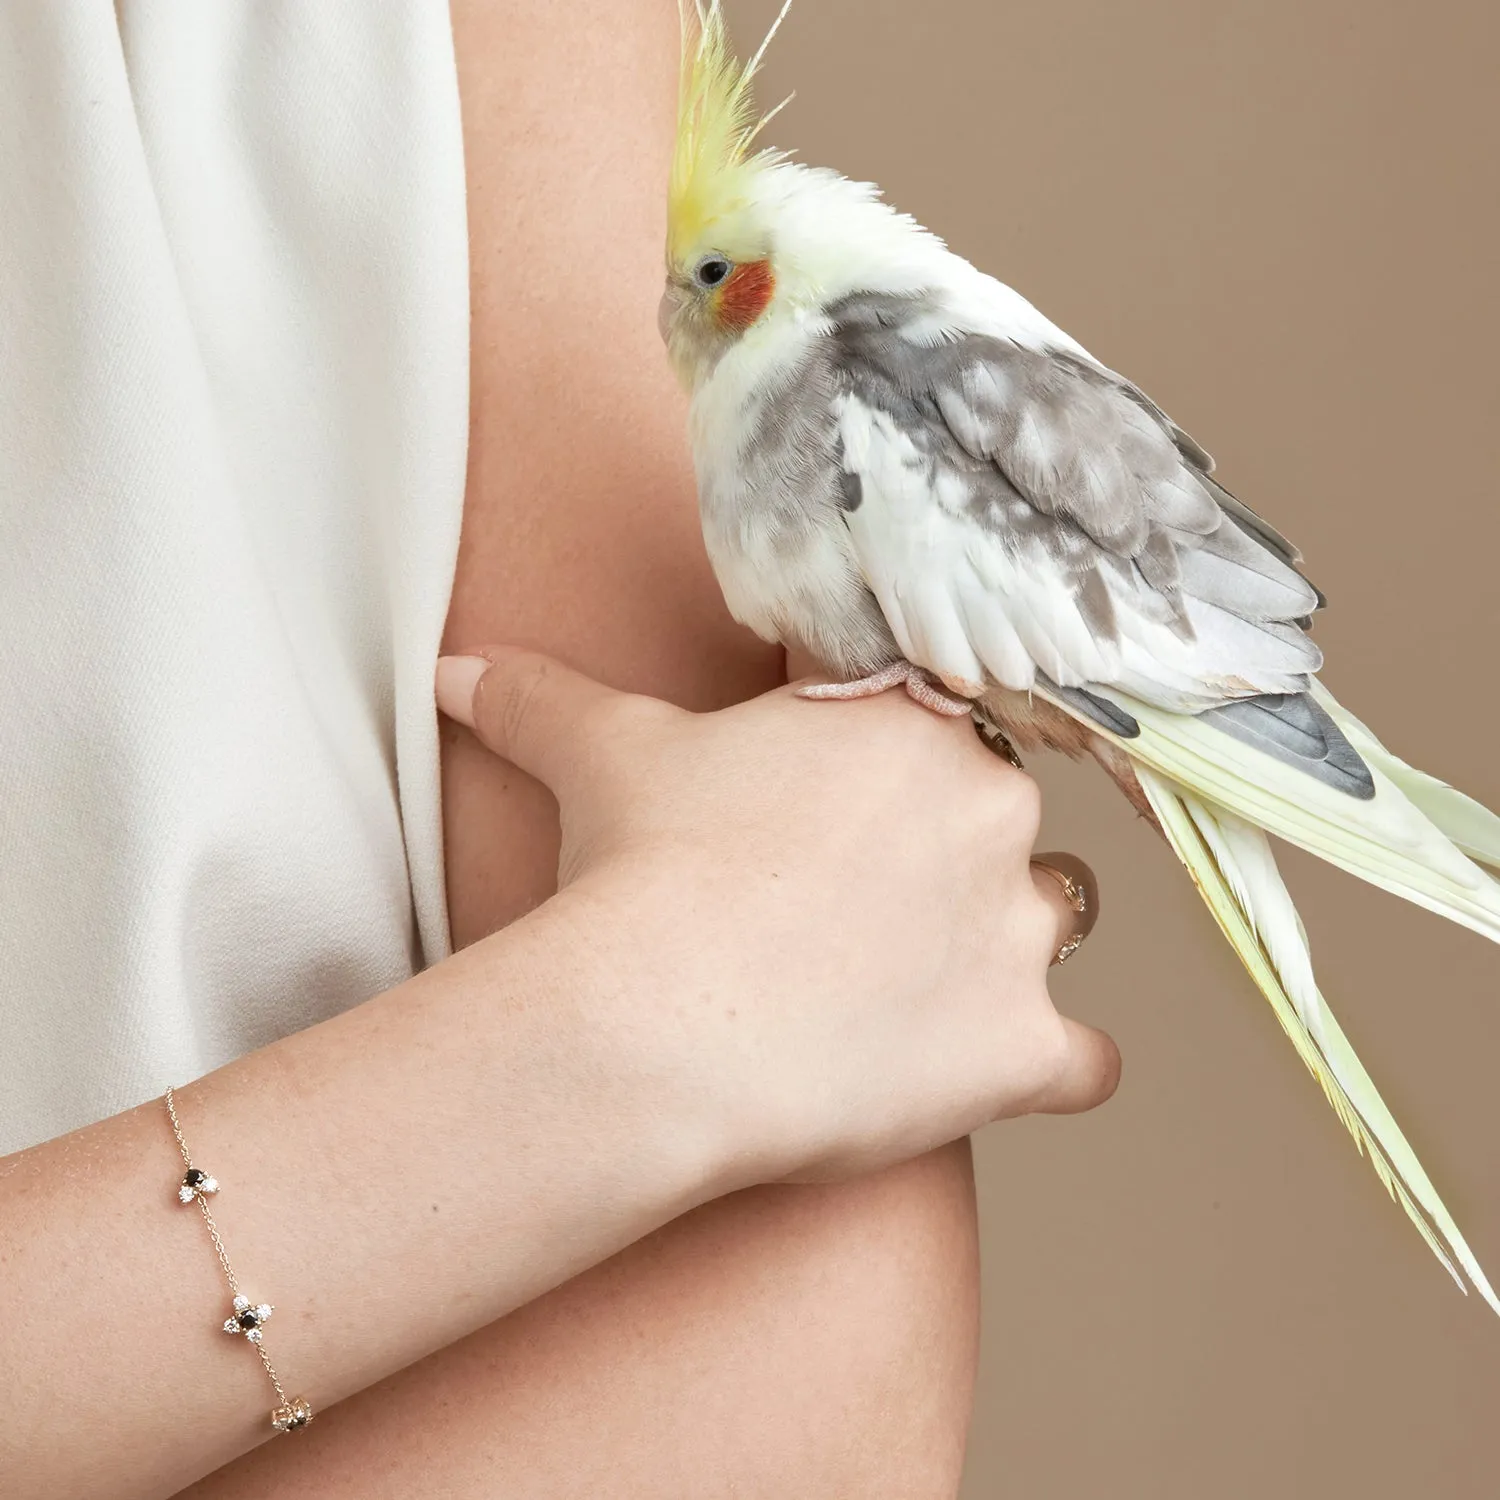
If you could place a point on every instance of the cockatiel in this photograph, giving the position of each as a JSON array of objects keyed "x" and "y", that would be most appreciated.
[{"x": 907, "y": 471}]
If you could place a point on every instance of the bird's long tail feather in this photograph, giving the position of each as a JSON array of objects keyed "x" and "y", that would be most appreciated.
[
  {"x": 1232, "y": 865},
  {"x": 1467, "y": 823},
  {"x": 1399, "y": 840}
]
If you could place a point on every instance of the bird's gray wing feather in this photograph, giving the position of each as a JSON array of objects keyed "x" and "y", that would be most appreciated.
[
  {"x": 1026, "y": 511},
  {"x": 1199, "y": 459}
]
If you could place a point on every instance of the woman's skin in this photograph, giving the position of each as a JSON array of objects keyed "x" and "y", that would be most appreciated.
[{"x": 730, "y": 991}]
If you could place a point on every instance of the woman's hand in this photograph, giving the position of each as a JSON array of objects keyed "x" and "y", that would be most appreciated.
[
  {"x": 841, "y": 895},
  {"x": 794, "y": 940}
]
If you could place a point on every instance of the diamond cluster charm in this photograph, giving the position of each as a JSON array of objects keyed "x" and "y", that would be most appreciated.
[
  {"x": 291, "y": 1415},
  {"x": 247, "y": 1319},
  {"x": 196, "y": 1184}
]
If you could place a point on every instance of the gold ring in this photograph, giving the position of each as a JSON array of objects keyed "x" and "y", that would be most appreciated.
[
  {"x": 1068, "y": 949},
  {"x": 1075, "y": 889}
]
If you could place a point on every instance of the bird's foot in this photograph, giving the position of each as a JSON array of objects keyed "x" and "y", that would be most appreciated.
[{"x": 921, "y": 687}]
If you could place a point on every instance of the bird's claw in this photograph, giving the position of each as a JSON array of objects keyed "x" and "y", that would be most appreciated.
[
  {"x": 996, "y": 739},
  {"x": 921, "y": 687}
]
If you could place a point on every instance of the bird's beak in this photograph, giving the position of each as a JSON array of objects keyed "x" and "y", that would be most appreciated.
[{"x": 671, "y": 306}]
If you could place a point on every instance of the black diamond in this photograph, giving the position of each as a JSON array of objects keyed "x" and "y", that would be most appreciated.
[
  {"x": 247, "y": 1319},
  {"x": 195, "y": 1178}
]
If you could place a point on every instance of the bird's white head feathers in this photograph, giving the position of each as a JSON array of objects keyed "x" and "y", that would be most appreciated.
[{"x": 755, "y": 240}]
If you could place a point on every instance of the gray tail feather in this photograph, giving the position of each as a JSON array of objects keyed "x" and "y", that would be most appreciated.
[
  {"x": 1293, "y": 727},
  {"x": 1297, "y": 729}
]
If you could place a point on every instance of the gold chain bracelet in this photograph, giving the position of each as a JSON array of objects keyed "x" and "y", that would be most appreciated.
[{"x": 246, "y": 1318}]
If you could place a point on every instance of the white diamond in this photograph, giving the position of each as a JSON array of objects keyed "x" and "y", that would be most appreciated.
[
  {"x": 209, "y": 1185},
  {"x": 253, "y": 1334},
  {"x": 241, "y": 1303},
  {"x": 264, "y": 1311},
  {"x": 230, "y": 1326},
  {"x": 185, "y": 1193}
]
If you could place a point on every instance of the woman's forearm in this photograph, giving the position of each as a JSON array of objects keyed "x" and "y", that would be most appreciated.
[
  {"x": 729, "y": 989},
  {"x": 783, "y": 1341},
  {"x": 391, "y": 1180}
]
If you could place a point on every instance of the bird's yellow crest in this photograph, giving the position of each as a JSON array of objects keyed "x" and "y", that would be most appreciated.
[{"x": 712, "y": 164}]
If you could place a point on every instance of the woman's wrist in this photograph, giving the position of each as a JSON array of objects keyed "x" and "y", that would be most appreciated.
[
  {"x": 393, "y": 1179},
  {"x": 656, "y": 1037}
]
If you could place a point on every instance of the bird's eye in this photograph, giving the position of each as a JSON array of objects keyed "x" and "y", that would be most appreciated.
[{"x": 711, "y": 270}]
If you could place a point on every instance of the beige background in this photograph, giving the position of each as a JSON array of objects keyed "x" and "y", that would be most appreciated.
[{"x": 1279, "y": 218}]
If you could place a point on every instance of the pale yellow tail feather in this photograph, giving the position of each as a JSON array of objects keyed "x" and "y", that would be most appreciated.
[
  {"x": 1386, "y": 840},
  {"x": 1469, "y": 824},
  {"x": 1230, "y": 862}
]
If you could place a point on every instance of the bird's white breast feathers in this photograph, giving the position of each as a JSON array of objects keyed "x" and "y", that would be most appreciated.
[{"x": 782, "y": 558}]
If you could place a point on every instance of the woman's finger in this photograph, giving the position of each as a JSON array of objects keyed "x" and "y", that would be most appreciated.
[
  {"x": 1090, "y": 1072},
  {"x": 1072, "y": 891},
  {"x": 1090, "y": 1068},
  {"x": 524, "y": 706}
]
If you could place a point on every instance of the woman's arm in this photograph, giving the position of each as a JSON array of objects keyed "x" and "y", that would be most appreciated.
[
  {"x": 811, "y": 1341},
  {"x": 728, "y": 991},
  {"x": 392, "y": 1179},
  {"x": 581, "y": 532}
]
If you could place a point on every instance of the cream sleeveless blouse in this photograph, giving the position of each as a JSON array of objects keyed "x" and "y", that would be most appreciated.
[{"x": 233, "y": 416}]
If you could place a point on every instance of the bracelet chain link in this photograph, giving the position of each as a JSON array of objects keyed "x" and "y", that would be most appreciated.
[{"x": 246, "y": 1318}]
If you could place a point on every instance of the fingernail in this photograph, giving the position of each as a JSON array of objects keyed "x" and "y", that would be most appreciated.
[{"x": 457, "y": 677}]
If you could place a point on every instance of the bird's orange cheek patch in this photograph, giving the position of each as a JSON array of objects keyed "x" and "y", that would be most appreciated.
[{"x": 745, "y": 295}]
